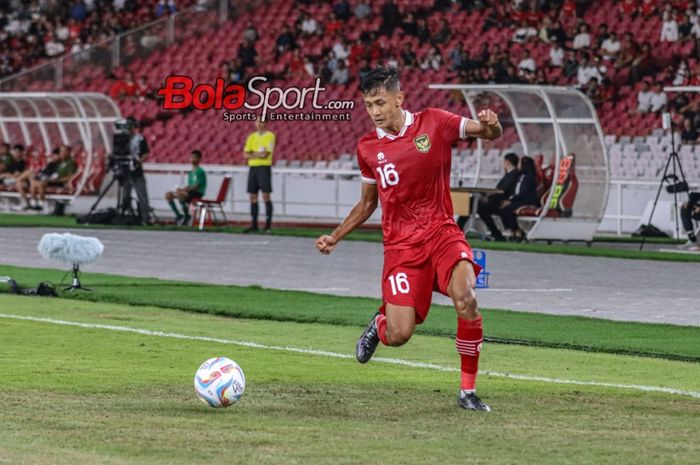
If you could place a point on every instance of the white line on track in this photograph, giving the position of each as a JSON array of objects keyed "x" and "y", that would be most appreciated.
[
  {"x": 324, "y": 353},
  {"x": 232, "y": 243},
  {"x": 318, "y": 289}
]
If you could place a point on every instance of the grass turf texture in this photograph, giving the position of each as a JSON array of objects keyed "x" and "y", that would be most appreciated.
[
  {"x": 589, "y": 334},
  {"x": 102, "y": 397},
  {"x": 17, "y": 220}
]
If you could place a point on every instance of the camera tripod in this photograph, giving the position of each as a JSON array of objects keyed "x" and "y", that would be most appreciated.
[
  {"x": 676, "y": 185},
  {"x": 124, "y": 209}
]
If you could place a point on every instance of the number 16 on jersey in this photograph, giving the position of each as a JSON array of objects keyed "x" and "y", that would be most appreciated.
[
  {"x": 388, "y": 174},
  {"x": 399, "y": 283}
]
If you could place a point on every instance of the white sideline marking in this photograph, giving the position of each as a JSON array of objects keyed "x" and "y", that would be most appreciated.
[
  {"x": 525, "y": 290},
  {"x": 324, "y": 353}
]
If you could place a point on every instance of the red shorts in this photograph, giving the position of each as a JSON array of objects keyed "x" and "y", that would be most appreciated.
[{"x": 411, "y": 275}]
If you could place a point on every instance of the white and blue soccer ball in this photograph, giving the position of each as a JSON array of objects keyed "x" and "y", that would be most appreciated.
[{"x": 219, "y": 382}]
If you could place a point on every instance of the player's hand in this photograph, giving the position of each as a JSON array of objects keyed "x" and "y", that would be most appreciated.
[
  {"x": 488, "y": 118},
  {"x": 326, "y": 244}
]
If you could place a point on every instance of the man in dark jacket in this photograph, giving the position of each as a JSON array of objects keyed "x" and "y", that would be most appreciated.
[
  {"x": 491, "y": 205},
  {"x": 524, "y": 193}
]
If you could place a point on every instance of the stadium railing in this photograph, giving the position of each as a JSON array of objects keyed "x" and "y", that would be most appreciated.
[{"x": 329, "y": 194}]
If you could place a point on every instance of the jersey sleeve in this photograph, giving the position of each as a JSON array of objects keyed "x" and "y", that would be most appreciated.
[
  {"x": 452, "y": 127},
  {"x": 271, "y": 145},
  {"x": 365, "y": 170}
]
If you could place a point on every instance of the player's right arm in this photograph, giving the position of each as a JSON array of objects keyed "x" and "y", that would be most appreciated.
[
  {"x": 357, "y": 216},
  {"x": 248, "y": 148}
]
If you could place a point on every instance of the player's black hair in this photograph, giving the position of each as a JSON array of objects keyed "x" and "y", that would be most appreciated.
[
  {"x": 197, "y": 153},
  {"x": 379, "y": 77},
  {"x": 512, "y": 158},
  {"x": 528, "y": 165},
  {"x": 19, "y": 147}
]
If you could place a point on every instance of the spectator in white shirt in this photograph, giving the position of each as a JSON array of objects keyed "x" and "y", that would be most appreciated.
[
  {"x": 341, "y": 74},
  {"x": 669, "y": 28},
  {"x": 583, "y": 38},
  {"x": 309, "y": 67},
  {"x": 308, "y": 25},
  {"x": 587, "y": 71},
  {"x": 61, "y": 32},
  {"x": 527, "y": 63},
  {"x": 659, "y": 98},
  {"x": 695, "y": 30},
  {"x": 340, "y": 49},
  {"x": 543, "y": 33},
  {"x": 362, "y": 10},
  {"x": 433, "y": 60},
  {"x": 644, "y": 98},
  {"x": 611, "y": 47},
  {"x": 53, "y": 47},
  {"x": 602, "y": 69},
  {"x": 556, "y": 56},
  {"x": 523, "y": 33},
  {"x": 682, "y": 74}
]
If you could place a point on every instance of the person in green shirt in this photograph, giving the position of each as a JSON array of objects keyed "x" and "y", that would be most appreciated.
[{"x": 195, "y": 189}]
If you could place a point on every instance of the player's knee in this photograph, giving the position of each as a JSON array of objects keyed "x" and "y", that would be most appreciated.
[
  {"x": 465, "y": 304},
  {"x": 169, "y": 196},
  {"x": 399, "y": 336}
]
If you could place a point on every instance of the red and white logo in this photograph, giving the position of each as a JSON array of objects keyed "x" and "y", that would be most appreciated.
[{"x": 180, "y": 92}]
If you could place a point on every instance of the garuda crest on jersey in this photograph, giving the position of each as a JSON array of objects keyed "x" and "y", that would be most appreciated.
[{"x": 422, "y": 143}]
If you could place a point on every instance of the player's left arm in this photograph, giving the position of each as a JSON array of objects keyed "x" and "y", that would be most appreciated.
[{"x": 486, "y": 127}]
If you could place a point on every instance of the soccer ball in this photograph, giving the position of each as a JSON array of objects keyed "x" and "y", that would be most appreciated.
[{"x": 219, "y": 382}]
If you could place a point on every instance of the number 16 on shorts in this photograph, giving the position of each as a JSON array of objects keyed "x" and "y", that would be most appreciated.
[{"x": 399, "y": 283}]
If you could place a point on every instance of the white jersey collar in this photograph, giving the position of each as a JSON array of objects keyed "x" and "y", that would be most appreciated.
[{"x": 381, "y": 133}]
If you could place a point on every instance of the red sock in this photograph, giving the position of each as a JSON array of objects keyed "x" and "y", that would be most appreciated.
[
  {"x": 381, "y": 327},
  {"x": 470, "y": 336}
]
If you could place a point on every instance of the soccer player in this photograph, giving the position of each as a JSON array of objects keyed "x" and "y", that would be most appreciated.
[{"x": 405, "y": 163}]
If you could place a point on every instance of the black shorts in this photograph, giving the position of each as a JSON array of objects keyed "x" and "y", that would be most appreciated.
[
  {"x": 260, "y": 179},
  {"x": 191, "y": 195}
]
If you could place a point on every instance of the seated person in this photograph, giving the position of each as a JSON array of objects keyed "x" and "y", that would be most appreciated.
[
  {"x": 691, "y": 211},
  {"x": 16, "y": 166},
  {"x": 525, "y": 193},
  {"x": 490, "y": 205},
  {"x": 58, "y": 171},
  {"x": 195, "y": 189},
  {"x": 5, "y": 157}
]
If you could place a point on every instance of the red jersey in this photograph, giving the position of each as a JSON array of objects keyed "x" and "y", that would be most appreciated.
[{"x": 412, "y": 173}]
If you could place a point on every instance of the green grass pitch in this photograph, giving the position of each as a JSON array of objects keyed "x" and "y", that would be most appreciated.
[{"x": 103, "y": 394}]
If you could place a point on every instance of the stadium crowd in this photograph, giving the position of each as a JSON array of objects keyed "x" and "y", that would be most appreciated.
[
  {"x": 597, "y": 58},
  {"x": 33, "y": 31}
]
